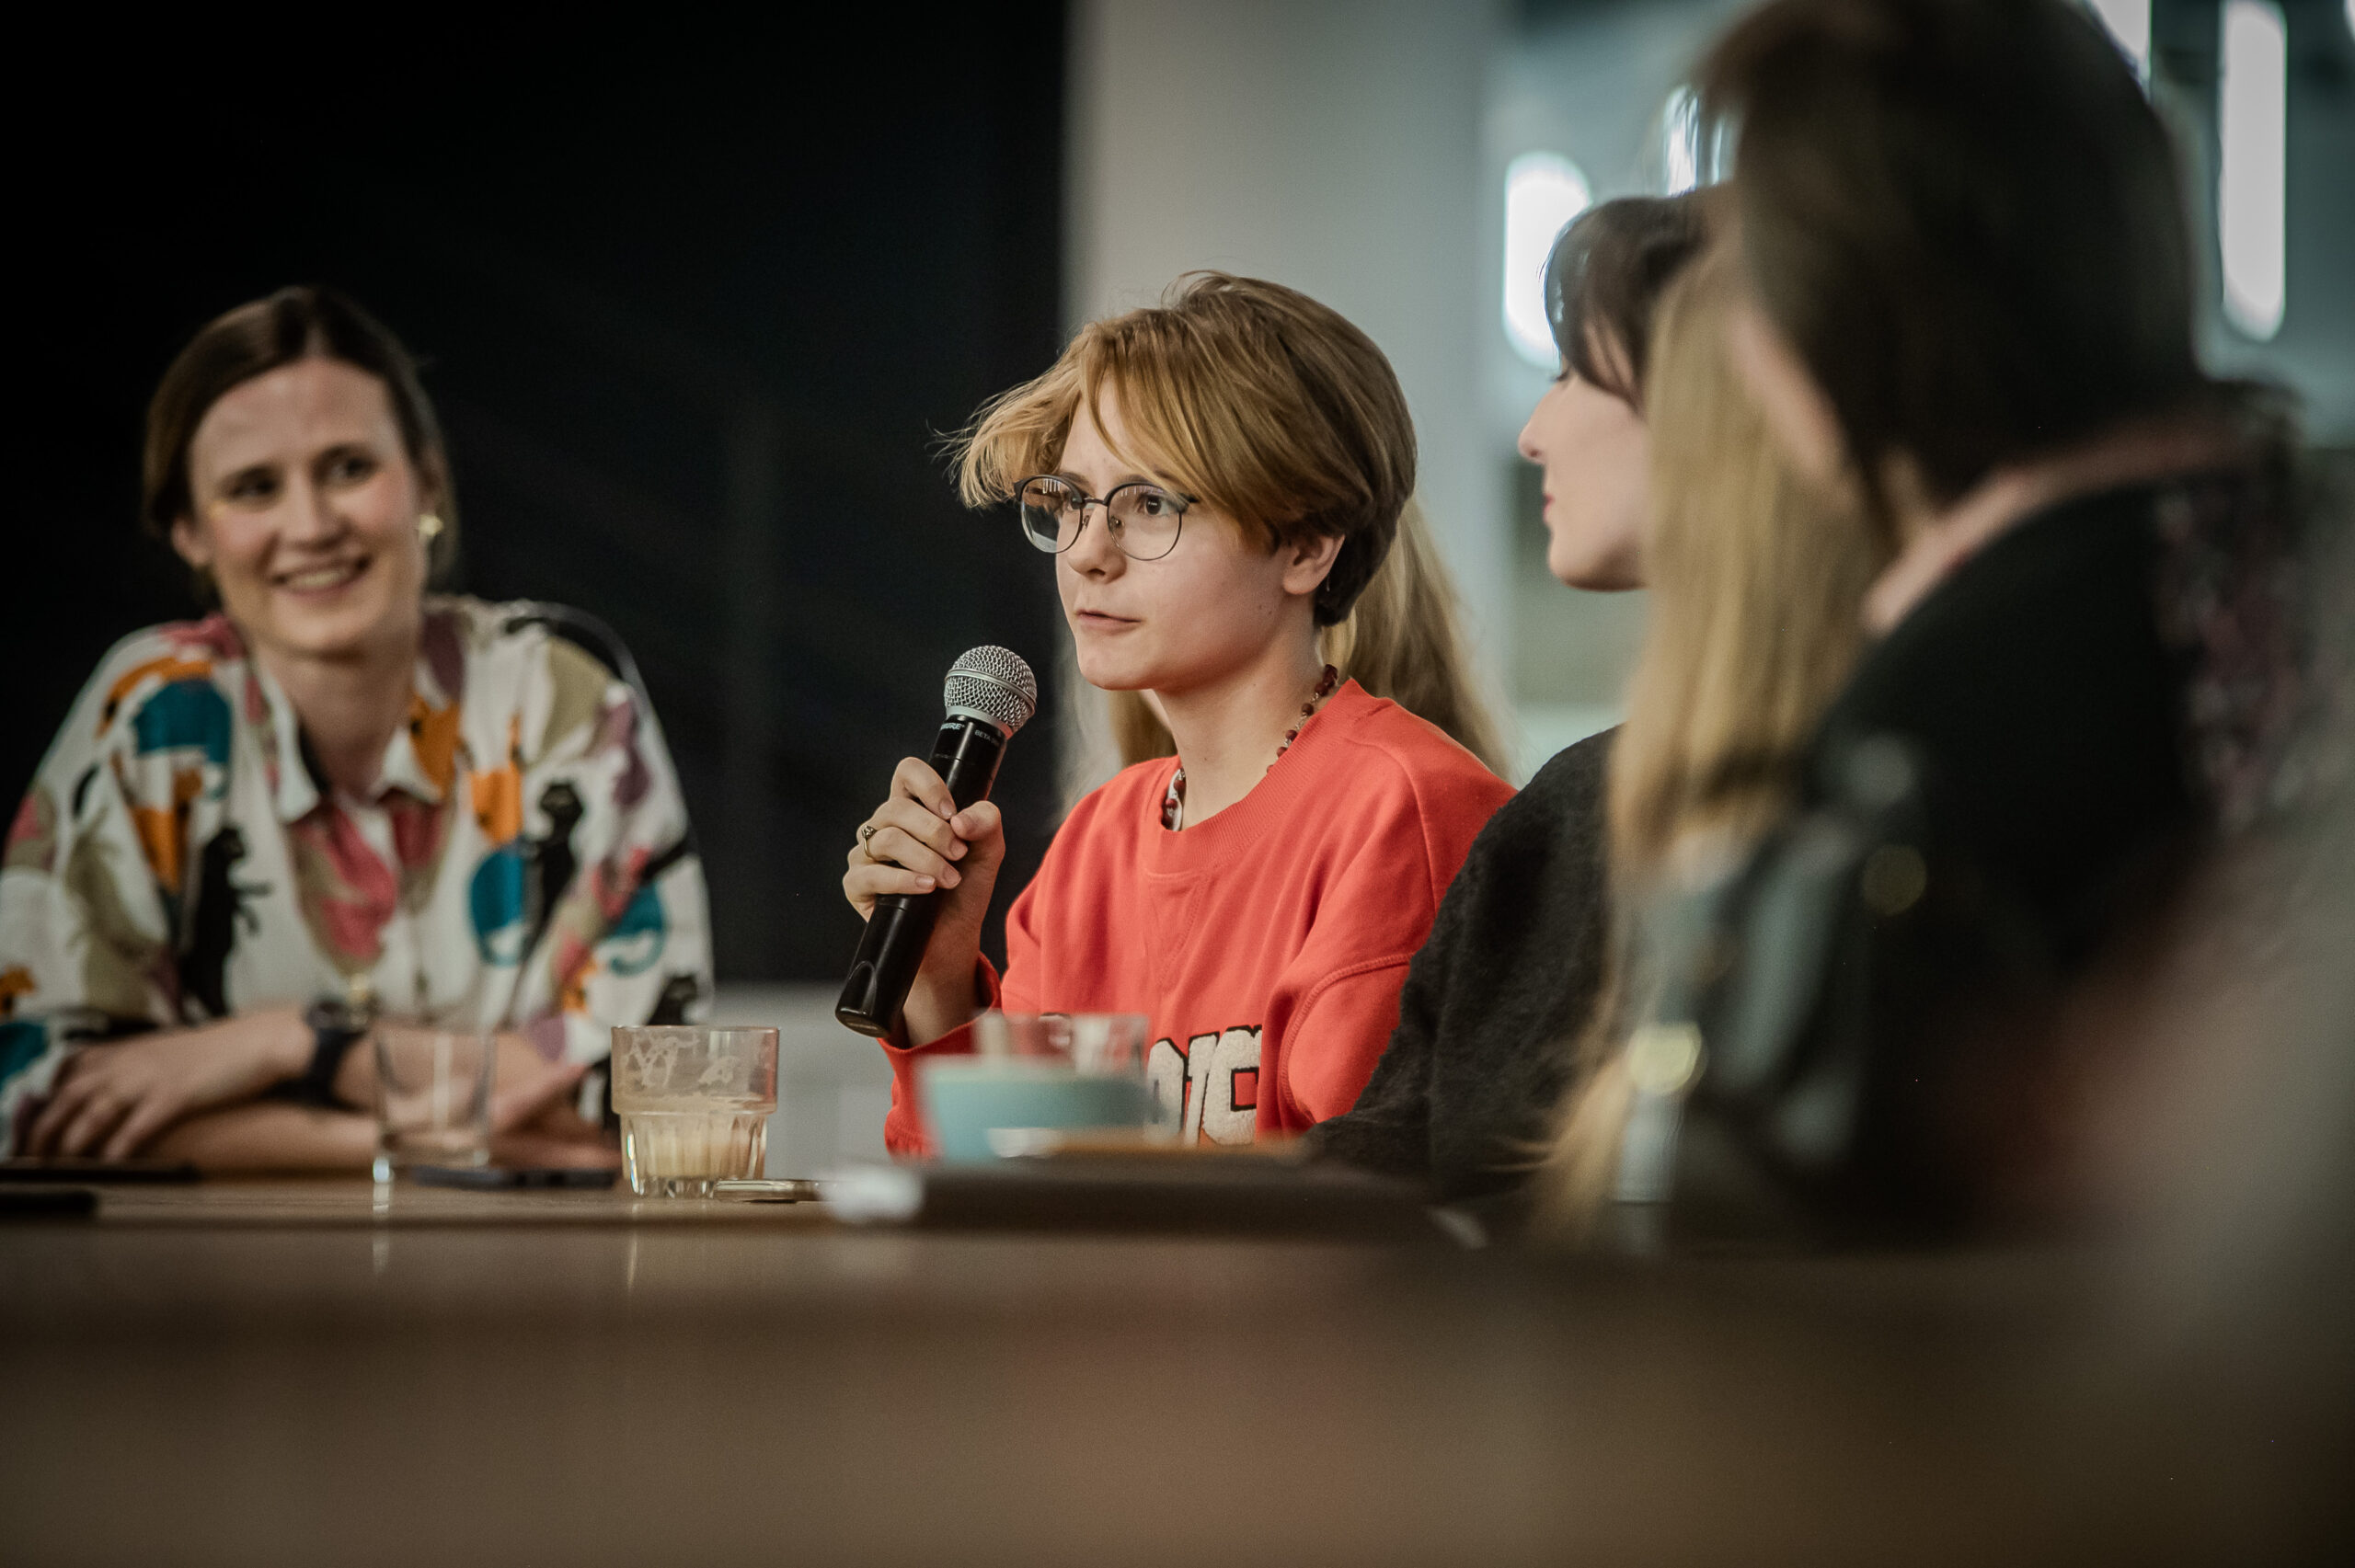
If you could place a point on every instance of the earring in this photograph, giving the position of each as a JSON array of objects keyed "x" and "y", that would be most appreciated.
[{"x": 428, "y": 527}]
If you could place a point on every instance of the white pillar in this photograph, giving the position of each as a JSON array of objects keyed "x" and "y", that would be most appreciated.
[{"x": 1331, "y": 145}]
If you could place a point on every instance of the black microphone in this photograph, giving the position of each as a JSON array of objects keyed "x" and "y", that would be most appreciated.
[{"x": 990, "y": 694}]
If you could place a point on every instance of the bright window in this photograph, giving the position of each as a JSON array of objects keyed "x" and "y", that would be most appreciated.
[
  {"x": 1543, "y": 192},
  {"x": 1680, "y": 134},
  {"x": 2129, "y": 22},
  {"x": 2252, "y": 134}
]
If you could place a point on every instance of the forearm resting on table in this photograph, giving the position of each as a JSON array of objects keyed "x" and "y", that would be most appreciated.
[
  {"x": 273, "y": 1135},
  {"x": 519, "y": 1062}
]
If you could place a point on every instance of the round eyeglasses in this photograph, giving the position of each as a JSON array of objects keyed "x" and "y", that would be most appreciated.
[{"x": 1144, "y": 518}]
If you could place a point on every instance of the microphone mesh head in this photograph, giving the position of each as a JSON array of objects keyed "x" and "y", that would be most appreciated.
[{"x": 994, "y": 683}]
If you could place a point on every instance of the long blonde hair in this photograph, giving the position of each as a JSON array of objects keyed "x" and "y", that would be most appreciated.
[
  {"x": 1757, "y": 587},
  {"x": 1757, "y": 583},
  {"x": 1403, "y": 641}
]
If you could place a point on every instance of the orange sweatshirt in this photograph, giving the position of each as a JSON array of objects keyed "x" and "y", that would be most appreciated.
[{"x": 1266, "y": 945}]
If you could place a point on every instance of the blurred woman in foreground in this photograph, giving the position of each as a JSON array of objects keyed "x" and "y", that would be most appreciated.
[
  {"x": 2089, "y": 659},
  {"x": 337, "y": 786}
]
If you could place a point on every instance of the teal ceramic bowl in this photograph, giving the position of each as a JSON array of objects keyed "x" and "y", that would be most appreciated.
[{"x": 968, "y": 1100}]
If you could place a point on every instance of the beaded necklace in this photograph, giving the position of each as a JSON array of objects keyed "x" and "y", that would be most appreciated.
[{"x": 1173, "y": 804}]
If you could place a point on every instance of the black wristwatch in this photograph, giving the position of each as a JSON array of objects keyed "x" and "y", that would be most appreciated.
[{"x": 336, "y": 1028}]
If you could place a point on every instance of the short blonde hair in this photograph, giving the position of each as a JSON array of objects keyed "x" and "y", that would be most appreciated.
[{"x": 1248, "y": 395}]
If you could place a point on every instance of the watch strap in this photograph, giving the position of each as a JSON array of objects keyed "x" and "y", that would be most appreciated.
[{"x": 336, "y": 1028}]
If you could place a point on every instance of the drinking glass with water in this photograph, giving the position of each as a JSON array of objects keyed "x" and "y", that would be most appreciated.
[{"x": 433, "y": 1097}]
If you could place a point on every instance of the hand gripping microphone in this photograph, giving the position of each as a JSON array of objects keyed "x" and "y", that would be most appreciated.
[{"x": 990, "y": 694}]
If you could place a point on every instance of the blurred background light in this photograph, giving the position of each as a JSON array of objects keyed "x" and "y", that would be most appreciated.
[
  {"x": 2129, "y": 22},
  {"x": 1543, "y": 192},
  {"x": 2251, "y": 132},
  {"x": 1680, "y": 132},
  {"x": 1689, "y": 155}
]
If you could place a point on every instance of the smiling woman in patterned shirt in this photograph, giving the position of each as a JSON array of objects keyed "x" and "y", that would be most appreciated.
[{"x": 337, "y": 783}]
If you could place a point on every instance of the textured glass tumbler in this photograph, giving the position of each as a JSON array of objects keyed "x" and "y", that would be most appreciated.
[
  {"x": 695, "y": 1105},
  {"x": 433, "y": 1097}
]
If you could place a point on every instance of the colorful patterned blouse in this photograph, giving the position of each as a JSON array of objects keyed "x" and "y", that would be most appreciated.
[{"x": 523, "y": 863}]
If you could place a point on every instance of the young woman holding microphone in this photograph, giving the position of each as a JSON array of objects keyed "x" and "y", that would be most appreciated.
[{"x": 1216, "y": 479}]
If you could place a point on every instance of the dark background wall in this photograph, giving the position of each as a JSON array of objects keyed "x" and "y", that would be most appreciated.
[{"x": 694, "y": 306}]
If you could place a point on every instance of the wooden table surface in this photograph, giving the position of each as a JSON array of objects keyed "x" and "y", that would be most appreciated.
[
  {"x": 314, "y": 1372},
  {"x": 348, "y": 1203}
]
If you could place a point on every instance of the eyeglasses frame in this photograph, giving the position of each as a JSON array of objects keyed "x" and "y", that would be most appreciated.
[{"x": 1186, "y": 503}]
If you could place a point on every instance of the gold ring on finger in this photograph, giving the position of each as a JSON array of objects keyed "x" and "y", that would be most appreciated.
[{"x": 867, "y": 842}]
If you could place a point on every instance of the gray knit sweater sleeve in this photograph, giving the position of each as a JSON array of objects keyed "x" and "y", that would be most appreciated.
[{"x": 1494, "y": 1002}]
